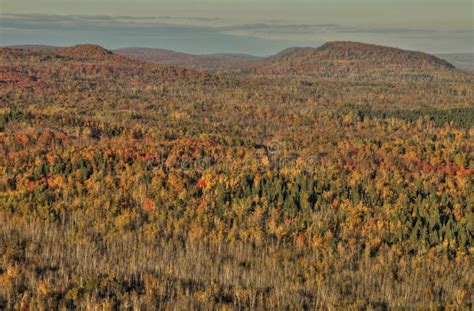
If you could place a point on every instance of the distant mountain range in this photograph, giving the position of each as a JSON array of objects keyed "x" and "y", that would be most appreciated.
[
  {"x": 168, "y": 57},
  {"x": 211, "y": 61},
  {"x": 335, "y": 57}
]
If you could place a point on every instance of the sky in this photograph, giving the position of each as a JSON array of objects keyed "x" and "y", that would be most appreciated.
[{"x": 259, "y": 27}]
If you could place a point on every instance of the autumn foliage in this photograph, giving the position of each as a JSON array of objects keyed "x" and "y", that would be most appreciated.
[{"x": 126, "y": 185}]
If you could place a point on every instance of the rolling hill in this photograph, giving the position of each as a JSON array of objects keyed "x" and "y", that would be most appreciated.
[
  {"x": 339, "y": 57},
  {"x": 162, "y": 56},
  {"x": 84, "y": 67},
  {"x": 357, "y": 73},
  {"x": 358, "y": 61}
]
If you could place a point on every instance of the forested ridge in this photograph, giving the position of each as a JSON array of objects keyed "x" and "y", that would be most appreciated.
[{"x": 127, "y": 184}]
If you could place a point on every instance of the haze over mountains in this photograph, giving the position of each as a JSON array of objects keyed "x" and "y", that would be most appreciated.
[{"x": 463, "y": 61}]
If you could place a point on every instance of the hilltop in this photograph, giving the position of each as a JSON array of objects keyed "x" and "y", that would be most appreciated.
[
  {"x": 382, "y": 55},
  {"x": 359, "y": 61},
  {"x": 85, "y": 51}
]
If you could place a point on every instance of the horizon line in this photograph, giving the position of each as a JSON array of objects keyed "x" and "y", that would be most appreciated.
[{"x": 217, "y": 52}]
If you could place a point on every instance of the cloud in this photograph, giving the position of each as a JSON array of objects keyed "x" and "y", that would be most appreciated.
[
  {"x": 196, "y": 24},
  {"x": 201, "y": 32},
  {"x": 42, "y": 20}
]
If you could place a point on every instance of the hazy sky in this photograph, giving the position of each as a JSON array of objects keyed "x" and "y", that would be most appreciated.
[{"x": 251, "y": 26}]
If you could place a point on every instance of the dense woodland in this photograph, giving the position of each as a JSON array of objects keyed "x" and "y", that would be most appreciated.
[{"x": 131, "y": 185}]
